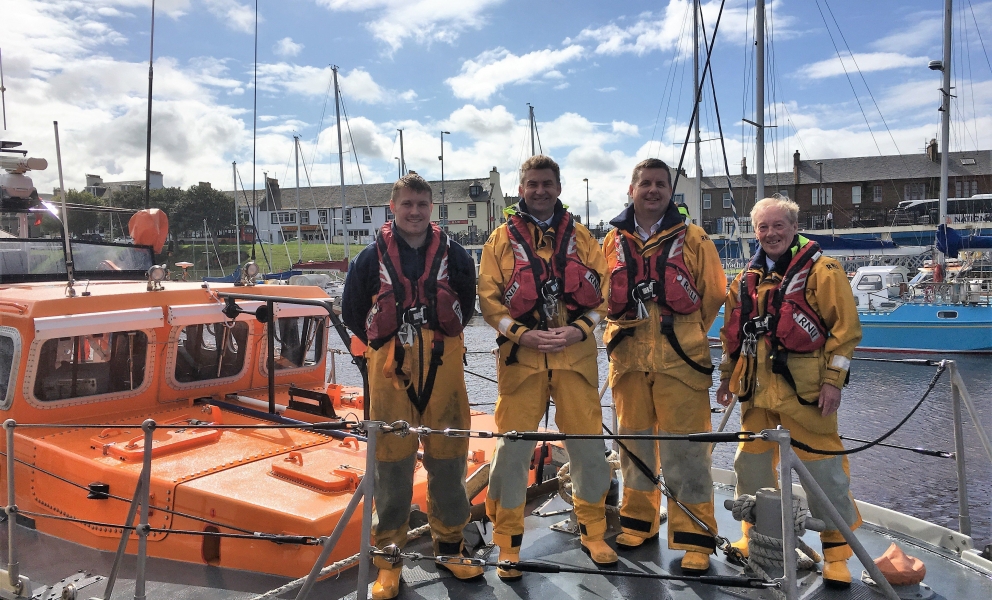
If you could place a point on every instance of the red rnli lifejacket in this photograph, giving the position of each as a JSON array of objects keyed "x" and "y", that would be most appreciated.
[
  {"x": 788, "y": 321},
  {"x": 428, "y": 302},
  {"x": 662, "y": 277},
  {"x": 564, "y": 275}
]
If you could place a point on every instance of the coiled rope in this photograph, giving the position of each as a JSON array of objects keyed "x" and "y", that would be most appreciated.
[{"x": 766, "y": 552}]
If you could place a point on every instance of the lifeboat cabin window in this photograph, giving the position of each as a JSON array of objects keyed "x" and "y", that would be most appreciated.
[
  {"x": 870, "y": 282},
  {"x": 211, "y": 351},
  {"x": 89, "y": 365},
  {"x": 299, "y": 342},
  {"x": 9, "y": 349}
]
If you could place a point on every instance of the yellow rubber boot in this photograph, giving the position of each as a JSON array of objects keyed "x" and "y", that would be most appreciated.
[
  {"x": 695, "y": 563},
  {"x": 835, "y": 555},
  {"x": 741, "y": 544},
  {"x": 387, "y": 584},
  {"x": 599, "y": 551},
  {"x": 509, "y": 575},
  {"x": 836, "y": 574}
]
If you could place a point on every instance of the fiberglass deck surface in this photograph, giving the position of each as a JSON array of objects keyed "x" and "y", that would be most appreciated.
[{"x": 46, "y": 561}]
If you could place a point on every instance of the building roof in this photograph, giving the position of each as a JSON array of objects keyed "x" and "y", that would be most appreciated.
[
  {"x": 371, "y": 194},
  {"x": 866, "y": 169}
]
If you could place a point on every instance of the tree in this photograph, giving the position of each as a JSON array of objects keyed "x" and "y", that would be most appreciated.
[{"x": 204, "y": 202}]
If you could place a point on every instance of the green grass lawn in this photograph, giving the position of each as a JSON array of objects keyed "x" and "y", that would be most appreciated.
[{"x": 278, "y": 259}]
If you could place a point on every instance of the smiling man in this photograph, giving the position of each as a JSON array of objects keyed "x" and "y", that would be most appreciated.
[
  {"x": 540, "y": 286},
  {"x": 408, "y": 296},
  {"x": 666, "y": 287},
  {"x": 790, "y": 332}
]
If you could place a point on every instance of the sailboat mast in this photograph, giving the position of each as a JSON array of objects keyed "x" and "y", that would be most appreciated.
[
  {"x": 148, "y": 132},
  {"x": 759, "y": 99},
  {"x": 344, "y": 203},
  {"x": 697, "y": 89},
  {"x": 237, "y": 219},
  {"x": 533, "y": 150},
  {"x": 299, "y": 225},
  {"x": 402, "y": 156},
  {"x": 945, "y": 112}
]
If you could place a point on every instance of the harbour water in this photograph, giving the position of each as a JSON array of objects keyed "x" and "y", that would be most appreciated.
[{"x": 878, "y": 396}]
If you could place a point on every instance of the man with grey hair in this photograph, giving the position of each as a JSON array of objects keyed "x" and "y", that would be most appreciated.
[{"x": 800, "y": 302}]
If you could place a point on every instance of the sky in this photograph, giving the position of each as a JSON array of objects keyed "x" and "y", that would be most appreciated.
[{"x": 610, "y": 83}]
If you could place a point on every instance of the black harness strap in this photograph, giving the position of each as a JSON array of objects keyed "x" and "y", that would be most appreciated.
[
  {"x": 668, "y": 330},
  {"x": 421, "y": 399}
]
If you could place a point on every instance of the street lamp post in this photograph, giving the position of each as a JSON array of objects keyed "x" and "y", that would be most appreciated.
[
  {"x": 819, "y": 193},
  {"x": 588, "y": 224},
  {"x": 444, "y": 207}
]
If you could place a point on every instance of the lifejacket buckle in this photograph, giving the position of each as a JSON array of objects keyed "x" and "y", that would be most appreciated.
[
  {"x": 757, "y": 326},
  {"x": 749, "y": 346},
  {"x": 416, "y": 316},
  {"x": 644, "y": 291},
  {"x": 551, "y": 290},
  {"x": 406, "y": 334}
]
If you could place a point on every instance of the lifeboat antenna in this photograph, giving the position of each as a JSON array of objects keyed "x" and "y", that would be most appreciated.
[
  {"x": 3, "y": 94},
  {"x": 148, "y": 133},
  {"x": 69, "y": 290}
]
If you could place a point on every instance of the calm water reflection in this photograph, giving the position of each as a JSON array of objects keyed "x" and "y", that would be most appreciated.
[{"x": 878, "y": 396}]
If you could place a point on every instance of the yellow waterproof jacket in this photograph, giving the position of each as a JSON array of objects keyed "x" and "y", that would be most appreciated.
[
  {"x": 648, "y": 350},
  {"x": 829, "y": 294},
  {"x": 496, "y": 268}
]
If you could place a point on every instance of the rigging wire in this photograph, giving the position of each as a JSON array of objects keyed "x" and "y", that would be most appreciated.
[
  {"x": 666, "y": 96},
  {"x": 771, "y": 68},
  {"x": 979, "y": 31},
  {"x": 320, "y": 124},
  {"x": 863, "y": 80},
  {"x": 354, "y": 152},
  {"x": 748, "y": 78},
  {"x": 313, "y": 198},
  {"x": 971, "y": 80}
]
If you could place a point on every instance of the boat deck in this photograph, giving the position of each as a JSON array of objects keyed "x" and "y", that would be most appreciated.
[{"x": 46, "y": 561}]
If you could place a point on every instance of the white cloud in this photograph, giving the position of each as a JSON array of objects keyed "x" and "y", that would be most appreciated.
[
  {"x": 661, "y": 32},
  {"x": 867, "y": 62},
  {"x": 235, "y": 15},
  {"x": 606, "y": 89},
  {"x": 923, "y": 31},
  {"x": 286, "y": 47},
  {"x": 307, "y": 80},
  {"x": 424, "y": 21},
  {"x": 492, "y": 70},
  {"x": 624, "y": 128}
]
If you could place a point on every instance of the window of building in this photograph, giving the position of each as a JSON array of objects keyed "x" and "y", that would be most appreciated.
[
  {"x": 822, "y": 196},
  {"x": 727, "y": 202},
  {"x": 347, "y": 216},
  {"x": 678, "y": 198},
  {"x": 471, "y": 211},
  {"x": 876, "y": 194},
  {"x": 389, "y": 214},
  {"x": 305, "y": 217},
  {"x": 442, "y": 211},
  {"x": 211, "y": 351},
  {"x": 914, "y": 191},
  {"x": 707, "y": 201},
  {"x": 89, "y": 365},
  {"x": 322, "y": 216},
  {"x": 856, "y": 194},
  {"x": 282, "y": 217},
  {"x": 366, "y": 215}
]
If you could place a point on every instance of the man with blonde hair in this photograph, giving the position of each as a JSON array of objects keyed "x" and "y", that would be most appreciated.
[
  {"x": 540, "y": 287},
  {"x": 790, "y": 332}
]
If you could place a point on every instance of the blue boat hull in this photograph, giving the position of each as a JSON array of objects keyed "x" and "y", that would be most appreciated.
[{"x": 920, "y": 328}]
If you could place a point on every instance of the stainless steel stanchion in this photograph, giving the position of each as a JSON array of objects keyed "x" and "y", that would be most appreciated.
[
  {"x": 964, "y": 512},
  {"x": 13, "y": 582},
  {"x": 146, "y": 476},
  {"x": 364, "y": 492},
  {"x": 786, "y": 458}
]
